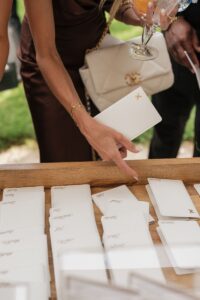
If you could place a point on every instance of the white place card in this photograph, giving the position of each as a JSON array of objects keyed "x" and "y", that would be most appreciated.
[
  {"x": 23, "y": 193},
  {"x": 22, "y": 214},
  {"x": 129, "y": 247},
  {"x": 73, "y": 230},
  {"x": 120, "y": 200},
  {"x": 197, "y": 188},
  {"x": 16, "y": 291},
  {"x": 34, "y": 276},
  {"x": 171, "y": 199},
  {"x": 182, "y": 242},
  {"x": 125, "y": 115},
  {"x": 71, "y": 197}
]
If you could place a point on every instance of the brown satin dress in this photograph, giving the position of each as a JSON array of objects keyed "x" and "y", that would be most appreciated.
[{"x": 79, "y": 25}]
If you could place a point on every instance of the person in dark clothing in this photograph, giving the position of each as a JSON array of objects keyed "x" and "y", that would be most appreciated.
[
  {"x": 55, "y": 37},
  {"x": 176, "y": 103}
]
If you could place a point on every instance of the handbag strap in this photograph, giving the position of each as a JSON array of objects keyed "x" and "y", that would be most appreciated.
[
  {"x": 115, "y": 7},
  {"x": 98, "y": 45}
]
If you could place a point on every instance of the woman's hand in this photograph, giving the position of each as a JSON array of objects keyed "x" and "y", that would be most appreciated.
[
  {"x": 110, "y": 144},
  {"x": 132, "y": 16},
  {"x": 180, "y": 37}
]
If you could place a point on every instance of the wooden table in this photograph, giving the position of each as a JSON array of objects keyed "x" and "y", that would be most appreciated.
[{"x": 102, "y": 176}]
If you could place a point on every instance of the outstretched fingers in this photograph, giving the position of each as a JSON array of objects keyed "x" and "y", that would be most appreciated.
[
  {"x": 127, "y": 144},
  {"x": 123, "y": 166}
]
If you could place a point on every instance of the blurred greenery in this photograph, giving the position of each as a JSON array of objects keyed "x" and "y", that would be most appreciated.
[{"x": 15, "y": 120}]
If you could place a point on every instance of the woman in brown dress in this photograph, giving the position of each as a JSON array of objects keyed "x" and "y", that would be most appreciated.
[{"x": 62, "y": 31}]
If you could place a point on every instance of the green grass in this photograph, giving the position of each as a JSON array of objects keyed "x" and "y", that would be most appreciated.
[
  {"x": 15, "y": 120},
  {"x": 21, "y": 8}
]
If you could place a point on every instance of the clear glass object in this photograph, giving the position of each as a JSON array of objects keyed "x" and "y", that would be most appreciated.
[{"x": 143, "y": 51}]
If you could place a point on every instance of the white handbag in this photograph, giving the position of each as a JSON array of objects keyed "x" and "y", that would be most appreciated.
[{"x": 110, "y": 73}]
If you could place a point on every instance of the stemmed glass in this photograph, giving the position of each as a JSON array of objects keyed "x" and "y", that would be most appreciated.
[{"x": 143, "y": 51}]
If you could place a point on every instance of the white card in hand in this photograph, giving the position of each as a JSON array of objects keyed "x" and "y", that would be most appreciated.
[
  {"x": 171, "y": 199},
  {"x": 183, "y": 241},
  {"x": 132, "y": 115}
]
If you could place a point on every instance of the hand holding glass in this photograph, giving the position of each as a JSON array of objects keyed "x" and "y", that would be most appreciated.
[{"x": 164, "y": 13}]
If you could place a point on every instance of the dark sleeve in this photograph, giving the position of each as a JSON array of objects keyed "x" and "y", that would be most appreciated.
[
  {"x": 192, "y": 15},
  {"x": 108, "y": 4}
]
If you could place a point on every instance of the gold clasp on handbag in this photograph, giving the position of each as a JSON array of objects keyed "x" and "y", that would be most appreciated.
[{"x": 132, "y": 78}]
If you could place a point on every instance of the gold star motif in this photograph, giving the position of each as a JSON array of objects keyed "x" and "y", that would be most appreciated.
[{"x": 138, "y": 96}]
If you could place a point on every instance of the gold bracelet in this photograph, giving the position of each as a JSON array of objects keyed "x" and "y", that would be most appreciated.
[
  {"x": 172, "y": 21},
  {"x": 74, "y": 107},
  {"x": 126, "y": 2}
]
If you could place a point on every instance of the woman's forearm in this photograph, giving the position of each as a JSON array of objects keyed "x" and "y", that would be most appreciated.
[
  {"x": 4, "y": 48},
  {"x": 5, "y": 9},
  {"x": 61, "y": 85},
  {"x": 49, "y": 61}
]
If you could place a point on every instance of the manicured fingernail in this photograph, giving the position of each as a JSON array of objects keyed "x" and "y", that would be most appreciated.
[
  {"x": 136, "y": 178},
  {"x": 139, "y": 149},
  {"x": 163, "y": 12}
]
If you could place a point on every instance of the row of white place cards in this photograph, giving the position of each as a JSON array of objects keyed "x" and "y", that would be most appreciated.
[
  {"x": 76, "y": 245},
  {"x": 23, "y": 244},
  {"x": 127, "y": 240},
  {"x": 179, "y": 233}
]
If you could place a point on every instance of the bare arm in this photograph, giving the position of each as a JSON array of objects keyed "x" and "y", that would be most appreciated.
[
  {"x": 103, "y": 139},
  {"x": 5, "y": 9}
]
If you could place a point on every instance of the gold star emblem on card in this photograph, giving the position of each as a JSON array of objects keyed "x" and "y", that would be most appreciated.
[{"x": 138, "y": 96}]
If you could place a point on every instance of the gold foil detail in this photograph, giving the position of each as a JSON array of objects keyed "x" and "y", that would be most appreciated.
[{"x": 132, "y": 78}]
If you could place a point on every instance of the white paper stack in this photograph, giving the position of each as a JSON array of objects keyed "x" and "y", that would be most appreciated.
[
  {"x": 76, "y": 245},
  {"x": 129, "y": 248},
  {"x": 171, "y": 199},
  {"x": 126, "y": 238},
  {"x": 23, "y": 244},
  {"x": 120, "y": 200},
  {"x": 181, "y": 240}
]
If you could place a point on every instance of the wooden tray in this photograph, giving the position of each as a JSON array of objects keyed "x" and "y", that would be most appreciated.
[{"x": 102, "y": 176}]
